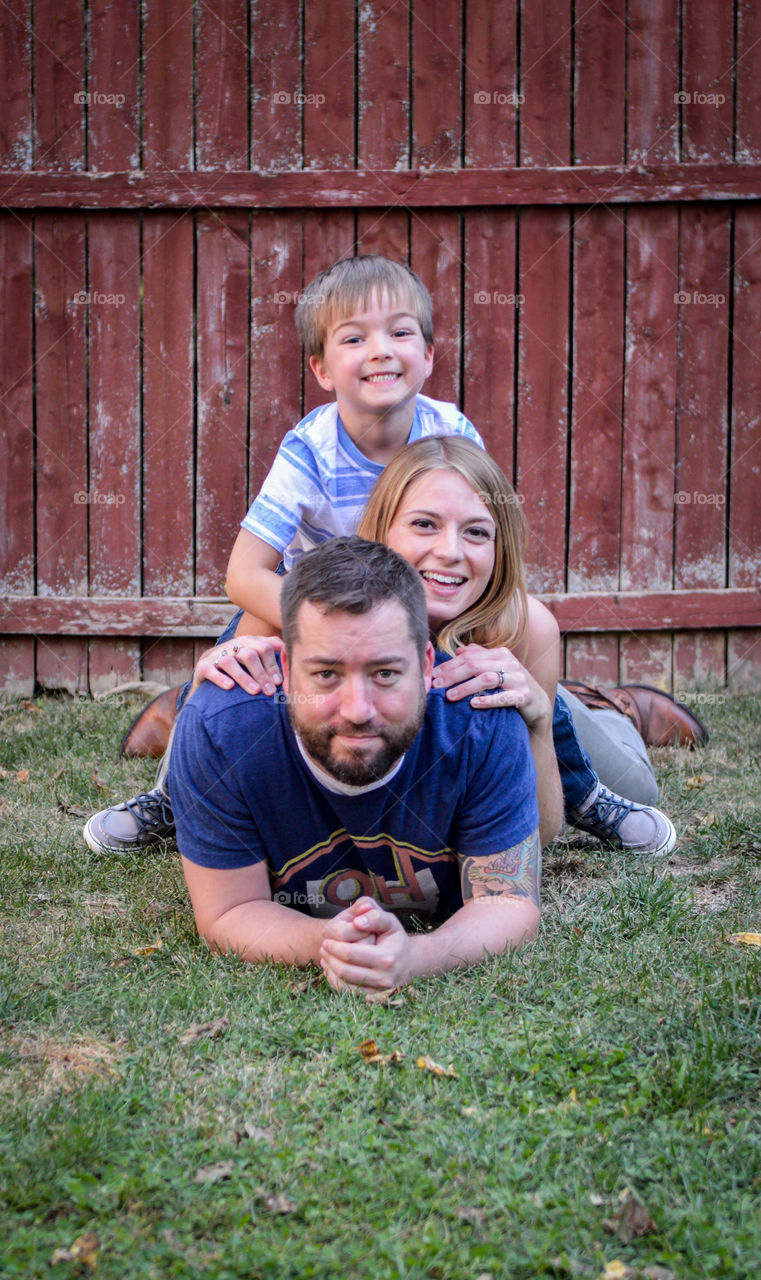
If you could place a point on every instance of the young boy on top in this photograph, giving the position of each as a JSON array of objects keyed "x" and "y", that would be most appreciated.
[{"x": 367, "y": 327}]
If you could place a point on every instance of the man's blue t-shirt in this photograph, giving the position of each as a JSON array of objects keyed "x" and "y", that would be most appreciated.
[{"x": 242, "y": 793}]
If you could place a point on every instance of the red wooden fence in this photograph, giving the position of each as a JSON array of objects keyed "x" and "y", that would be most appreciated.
[{"x": 579, "y": 187}]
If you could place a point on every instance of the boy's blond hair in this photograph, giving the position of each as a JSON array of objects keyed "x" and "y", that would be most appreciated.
[{"x": 349, "y": 286}]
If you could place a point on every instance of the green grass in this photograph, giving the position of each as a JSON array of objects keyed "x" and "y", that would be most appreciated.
[{"x": 622, "y": 1050}]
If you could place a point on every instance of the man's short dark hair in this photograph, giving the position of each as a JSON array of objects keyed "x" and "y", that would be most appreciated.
[{"x": 352, "y": 575}]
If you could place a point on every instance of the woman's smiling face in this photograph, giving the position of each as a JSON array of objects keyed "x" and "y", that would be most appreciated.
[{"x": 446, "y": 532}]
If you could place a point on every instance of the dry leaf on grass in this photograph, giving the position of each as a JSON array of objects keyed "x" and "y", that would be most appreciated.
[
  {"x": 97, "y": 780},
  {"x": 205, "y": 1030},
  {"x": 84, "y": 1249},
  {"x": 73, "y": 810},
  {"x": 215, "y": 1172},
  {"x": 148, "y": 951},
  {"x": 428, "y": 1064},
  {"x": 633, "y": 1218},
  {"x": 276, "y": 1204},
  {"x": 617, "y": 1270},
  {"x": 21, "y": 776},
  {"x": 749, "y": 939},
  {"x": 371, "y": 1053},
  {"x": 698, "y": 780}
]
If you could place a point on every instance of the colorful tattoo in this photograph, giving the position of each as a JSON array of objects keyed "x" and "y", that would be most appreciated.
[{"x": 513, "y": 873}]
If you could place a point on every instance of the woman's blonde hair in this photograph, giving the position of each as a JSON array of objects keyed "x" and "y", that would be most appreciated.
[{"x": 499, "y": 616}]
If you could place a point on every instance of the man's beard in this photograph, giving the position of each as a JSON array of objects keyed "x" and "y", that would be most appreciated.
[{"x": 359, "y": 770}]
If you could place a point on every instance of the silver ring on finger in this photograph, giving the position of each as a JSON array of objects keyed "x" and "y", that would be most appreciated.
[{"x": 501, "y": 675}]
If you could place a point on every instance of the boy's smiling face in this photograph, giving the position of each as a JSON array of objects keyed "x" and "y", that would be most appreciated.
[{"x": 376, "y": 361}]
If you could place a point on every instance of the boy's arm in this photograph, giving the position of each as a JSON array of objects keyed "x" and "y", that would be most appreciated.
[{"x": 252, "y": 582}]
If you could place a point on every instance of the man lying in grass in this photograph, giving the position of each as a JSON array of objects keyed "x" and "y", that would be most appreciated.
[{"x": 312, "y": 825}]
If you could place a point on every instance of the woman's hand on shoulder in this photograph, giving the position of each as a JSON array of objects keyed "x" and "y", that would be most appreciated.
[
  {"x": 493, "y": 678},
  {"x": 249, "y": 661}
]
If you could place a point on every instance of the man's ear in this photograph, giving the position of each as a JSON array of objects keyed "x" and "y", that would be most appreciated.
[
  {"x": 284, "y": 669},
  {"x": 428, "y": 660},
  {"x": 317, "y": 365}
]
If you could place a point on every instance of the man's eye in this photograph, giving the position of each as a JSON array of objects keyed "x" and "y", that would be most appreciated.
[
  {"x": 386, "y": 676},
  {"x": 324, "y": 676}
]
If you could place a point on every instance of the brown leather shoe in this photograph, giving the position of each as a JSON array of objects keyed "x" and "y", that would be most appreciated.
[
  {"x": 148, "y": 734},
  {"x": 660, "y": 719}
]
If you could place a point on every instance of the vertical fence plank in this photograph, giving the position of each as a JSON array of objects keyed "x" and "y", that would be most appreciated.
[
  {"x": 59, "y": 80},
  {"x": 168, "y": 445},
  {"x": 168, "y": 85},
  {"x": 491, "y": 85},
  {"x": 383, "y": 115},
  {"x": 329, "y": 85},
  {"x": 276, "y": 118},
  {"x": 223, "y": 391},
  {"x": 113, "y": 123},
  {"x": 114, "y": 379},
  {"x": 653, "y": 81},
  {"x": 748, "y": 81},
  {"x": 490, "y": 310},
  {"x": 649, "y": 418},
  {"x": 543, "y": 390},
  {"x": 63, "y": 494},
  {"x": 599, "y": 102},
  {"x": 707, "y": 80},
  {"x": 437, "y": 85},
  {"x": 221, "y": 60},
  {"x": 437, "y": 259},
  {"x": 167, "y": 337},
  {"x": 17, "y": 565},
  {"x": 275, "y": 345},
  {"x": 744, "y": 647},
  {"x": 702, "y": 414},
  {"x": 383, "y": 120},
  {"x": 16, "y": 82},
  {"x": 599, "y": 276},
  {"x": 545, "y": 117}
]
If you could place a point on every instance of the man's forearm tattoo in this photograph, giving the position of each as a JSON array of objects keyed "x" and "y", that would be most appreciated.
[{"x": 514, "y": 873}]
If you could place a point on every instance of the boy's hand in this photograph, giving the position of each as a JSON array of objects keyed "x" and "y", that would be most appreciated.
[
  {"x": 492, "y": 678},
  {"x": 249, "y": 661}
]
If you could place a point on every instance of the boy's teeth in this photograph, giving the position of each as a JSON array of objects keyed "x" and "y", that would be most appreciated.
[{"x": 382, "y": 377}]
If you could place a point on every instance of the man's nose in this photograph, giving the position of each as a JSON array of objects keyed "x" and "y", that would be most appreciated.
[{"x": 356, "y": 701}]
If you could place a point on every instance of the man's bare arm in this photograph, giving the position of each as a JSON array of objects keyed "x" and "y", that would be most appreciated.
[{"x": 500, "y": 913}]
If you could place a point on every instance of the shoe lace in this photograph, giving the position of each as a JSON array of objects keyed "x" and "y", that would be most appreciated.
[
  {"x": 150, "y": 809},
  {"x": 609, "y": 810}
]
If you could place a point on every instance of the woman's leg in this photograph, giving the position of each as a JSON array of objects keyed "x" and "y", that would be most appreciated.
[{"x": 613, "y": 749}]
